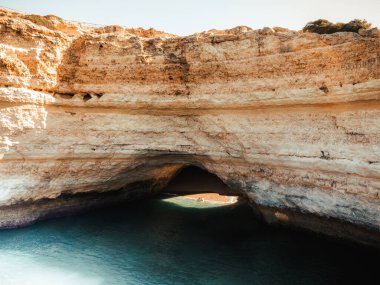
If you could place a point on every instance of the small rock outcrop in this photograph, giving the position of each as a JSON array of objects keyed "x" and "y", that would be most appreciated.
[{"x": 289, "y": 119}]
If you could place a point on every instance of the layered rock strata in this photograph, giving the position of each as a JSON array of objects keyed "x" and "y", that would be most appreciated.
[{"x": 289, "y": 119}]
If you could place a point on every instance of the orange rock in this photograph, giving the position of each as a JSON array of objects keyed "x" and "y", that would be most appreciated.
[{"x": 291, "y": 119}]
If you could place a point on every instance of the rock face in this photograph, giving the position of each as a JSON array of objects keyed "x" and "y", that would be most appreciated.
[{"x": 289, "y": 119}]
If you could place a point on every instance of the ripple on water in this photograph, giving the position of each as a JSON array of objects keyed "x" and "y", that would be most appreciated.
[{"x": 176, "y": 241}]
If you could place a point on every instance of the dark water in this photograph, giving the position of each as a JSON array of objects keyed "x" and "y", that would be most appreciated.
[{"x": 176, "y": 241}]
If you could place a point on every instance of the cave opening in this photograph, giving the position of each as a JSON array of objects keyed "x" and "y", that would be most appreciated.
[{"x": 196, "y": 183}]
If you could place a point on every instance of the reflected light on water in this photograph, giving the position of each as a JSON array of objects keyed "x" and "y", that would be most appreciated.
[
  {"x": 176, "y": 241},
  {"x": 17, "y": 269}
]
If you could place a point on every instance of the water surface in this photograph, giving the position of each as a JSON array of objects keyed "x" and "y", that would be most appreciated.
[{"x": 176, "y": 241}]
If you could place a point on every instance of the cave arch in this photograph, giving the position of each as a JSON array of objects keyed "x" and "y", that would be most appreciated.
[{"x": 192, "y": 179}]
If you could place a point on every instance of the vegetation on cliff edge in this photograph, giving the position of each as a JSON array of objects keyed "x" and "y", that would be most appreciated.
[{"x": 322, "y": 26}]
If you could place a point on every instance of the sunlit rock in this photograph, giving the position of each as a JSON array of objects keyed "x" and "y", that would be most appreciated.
[{"x": 290, "y": 120}]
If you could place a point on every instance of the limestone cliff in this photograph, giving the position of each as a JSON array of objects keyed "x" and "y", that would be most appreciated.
[{"x": 289, "y": 119}]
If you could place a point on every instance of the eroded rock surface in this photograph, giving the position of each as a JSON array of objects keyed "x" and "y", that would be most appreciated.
[{"x": 290, "y": 119}]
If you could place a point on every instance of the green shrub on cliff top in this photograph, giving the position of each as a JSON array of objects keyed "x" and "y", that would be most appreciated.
[{"x": 322, "y": 26}]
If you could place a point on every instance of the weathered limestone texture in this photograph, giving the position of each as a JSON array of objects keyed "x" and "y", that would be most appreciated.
[{"x": 289, "y": 119}]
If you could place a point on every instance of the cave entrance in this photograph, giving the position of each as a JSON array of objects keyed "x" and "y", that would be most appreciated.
[{"x": 198, "y": 184}]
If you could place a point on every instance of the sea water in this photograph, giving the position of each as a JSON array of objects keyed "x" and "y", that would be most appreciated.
[{"x": 177, "y": 241}]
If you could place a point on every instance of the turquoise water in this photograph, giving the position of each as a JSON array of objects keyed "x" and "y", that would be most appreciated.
[{"x": 176, "y": 241}]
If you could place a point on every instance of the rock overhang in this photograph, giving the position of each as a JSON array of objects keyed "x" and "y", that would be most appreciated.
[{"x": 289, "y": 118}]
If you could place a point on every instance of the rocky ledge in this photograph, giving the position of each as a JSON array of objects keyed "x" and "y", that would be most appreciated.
[{"x": 289, "y": 119}]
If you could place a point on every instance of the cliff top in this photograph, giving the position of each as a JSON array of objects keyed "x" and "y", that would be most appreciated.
[
  {"x": 52, "y": 54},
  {"x": 73, "y": 28}
]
